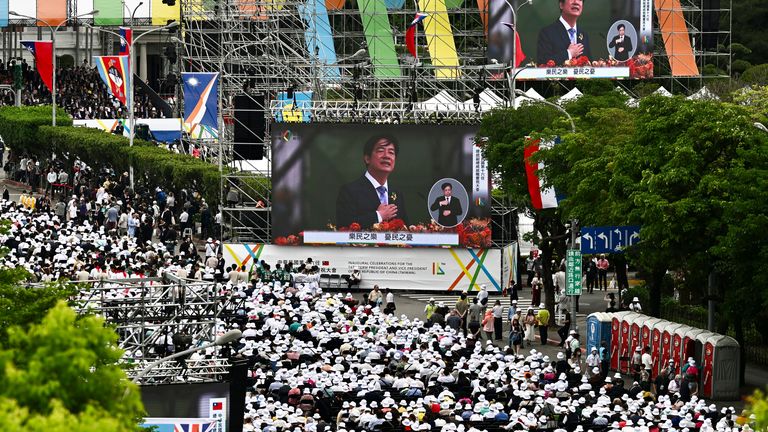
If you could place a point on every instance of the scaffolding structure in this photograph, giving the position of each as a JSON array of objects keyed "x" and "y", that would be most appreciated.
[
  {"x": 352, "y": 58},
  {"x": 143, "y": 311}
]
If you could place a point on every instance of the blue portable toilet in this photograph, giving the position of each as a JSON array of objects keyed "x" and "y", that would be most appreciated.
[{"x": 598, "y": 330}]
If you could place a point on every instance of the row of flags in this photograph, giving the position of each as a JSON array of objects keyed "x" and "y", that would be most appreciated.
[{"x": 200, "y": 89}]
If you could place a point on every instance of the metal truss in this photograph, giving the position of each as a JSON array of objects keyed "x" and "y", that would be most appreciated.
[
  {"x": 265, "y": 47},
  {"x": 144, "y": 310}
]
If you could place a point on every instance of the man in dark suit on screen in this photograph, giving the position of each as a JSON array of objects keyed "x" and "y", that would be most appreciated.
[
  {"x": 448, "y": 207},
  {"x": 370, "y": 199},
  {"x": 563, "y": 40},
  {"x": 622, "y": 44}
]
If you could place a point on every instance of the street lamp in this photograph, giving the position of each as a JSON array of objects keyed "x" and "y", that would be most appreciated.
[
  {"x": 134, "y": 10},
  {"x": 224, "y": 339},
  {"x": 574, "y": 222},
  {"x": 129, "y": 44},
  {"x": 556, "y": 106},
  {"x": 760, "y": 126},
  {"x": 53, "y": 31},
  {"x": 513, "y": 66}
]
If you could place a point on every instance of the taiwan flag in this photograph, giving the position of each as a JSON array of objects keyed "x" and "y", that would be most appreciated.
[
  {"x": 410, "y": 34},
  {"x": 541, "y": 197},
  {"x": 43, "y": 53},
  {"x": 125, "y": 43},
  {"x": 114, "y": 72},
  {"x": 519, "y": 54}
]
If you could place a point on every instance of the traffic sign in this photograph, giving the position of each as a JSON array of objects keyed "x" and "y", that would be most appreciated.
[
  {"x": 608, "y": 239},
  {"x": 573, "y": 272}
]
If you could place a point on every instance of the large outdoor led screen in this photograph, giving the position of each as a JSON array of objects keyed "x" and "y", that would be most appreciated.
[
  {"x": 379, "y": 185},
  {"x": 574, "y": 38}
]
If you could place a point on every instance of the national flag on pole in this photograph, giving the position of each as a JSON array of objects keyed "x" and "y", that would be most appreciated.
[
  {"x": 519, "y": 54},
  {"x": 43, "y": 53},
  {"x": 541, "y": 197},
  {"x": 115, "y": 74},
  {"x": 410, "y": 33},
  {"x": 125, "y": 43},
  {"x": 201, "y": 99}
]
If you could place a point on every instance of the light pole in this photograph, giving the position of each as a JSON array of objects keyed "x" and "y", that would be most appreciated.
[
  {"x": 513, "y": 66},
  {"x": 574, "y": 222},
  {"x": 131, "y": 119},
  {"x": 224, "y": 339},
  {"x": 134, "y": 11},
  {"x": 53, "y": 31}
]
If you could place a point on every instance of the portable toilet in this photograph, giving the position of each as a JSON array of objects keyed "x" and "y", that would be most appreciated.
[
  {"x": 615, "y": 341},
  {"x": 598, "y": 330},
  {"x": 720, "y": 367},
  {"x": 625, "y": 340},
  {"x": 651, "y": 337},
  {"x": 635, "y": 338},
  {"x": 688, "y": 348},
  {"x": 676, "y": 351},
  {"x": 667, "y": 330}
]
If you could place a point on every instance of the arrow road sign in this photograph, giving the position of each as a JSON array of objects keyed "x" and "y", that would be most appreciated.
[{"x": 608, "y": 239}]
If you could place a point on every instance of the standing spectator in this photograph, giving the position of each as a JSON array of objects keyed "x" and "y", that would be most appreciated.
[
  {"x": 184, "y": 221},
  {"x": 529, "y": 267},
  {"x": 593, "y": 362},
  {"x": 63, "y": 181},
  {"x": 516, "y": 335},
  {"x": 565, "y": 328},
  {"x": 462, "y": 307},
  {"x": 430, "y": 308},
  {"x": 602, "y": 273},
  {"x": 475, "y": 314},
  {"x": 122, "y": 224},
  {"x": 389, "y": 302},
  {"x": 542, "y": 319},
  {"x": 50, "y": 181},
  {"x": 206, "y": 221},
  {"x": 530, "y": 325},
  {"x": 536, "y": 289},
  {"x": 498, "y": 312},
  {"x": 133, "y": 223},
  {"x": 488, "y": 324},
  {"x": 591, "y": 276}
]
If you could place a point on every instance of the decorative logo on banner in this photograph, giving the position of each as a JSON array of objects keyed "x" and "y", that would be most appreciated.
[
  {"x": 294, "y": 109},
  {"x": 408, "y": 268},
  {"x": 114, "y": 72},
  {"x": 125, "y": 43},
  {"x": 201, "y": 98},
  {"x": 43, "y": 53},
  {"x": 218, "y": 411}
]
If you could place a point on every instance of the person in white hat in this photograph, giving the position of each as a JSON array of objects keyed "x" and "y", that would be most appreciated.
[{"x": 635, "y": 305}]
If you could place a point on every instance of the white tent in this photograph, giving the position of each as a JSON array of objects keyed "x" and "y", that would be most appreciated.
[
  {"x": 703, "y": 94},
  {"x": 632, "y": 103},
  {"x": 662, "y": 92},
  {"x": 441, "y": 102},
  {"x": 622, "y": 91},
  {"x": 571, "y": 95},
  {"x": 488, "y": 101},
  {"x": 532, "y": 97}
]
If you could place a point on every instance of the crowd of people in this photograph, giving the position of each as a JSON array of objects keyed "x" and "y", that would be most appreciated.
[
  {"x": 322, "y": 361},
  {"x": 79, "y": 91}
]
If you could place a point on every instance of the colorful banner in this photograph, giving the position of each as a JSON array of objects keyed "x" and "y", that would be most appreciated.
[
  {"x": 180, "y": 424},
  {"x": 125, "y": 43},
  {"x": 114, "y": 72},
  {"x": 3, "y": 13},
  {"x": 201, "y": 97},
  {"x": 509, "y": 265},
  {"x": 43, "y": 53},
  {"x": 294, "y": 109},
  {"x": 162, "y": 13},
  {"x": 452, "y": 269},
  {"x": 54, "y": 12},
  {"x": 110, "y": 13}
]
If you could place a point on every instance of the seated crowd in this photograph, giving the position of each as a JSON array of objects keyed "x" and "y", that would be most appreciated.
[{"x": 80, "y": 92}]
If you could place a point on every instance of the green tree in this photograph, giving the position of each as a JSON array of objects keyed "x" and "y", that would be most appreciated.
[
  {"x": 758, "y": 405},
  {"x": 66, "y": 368}
]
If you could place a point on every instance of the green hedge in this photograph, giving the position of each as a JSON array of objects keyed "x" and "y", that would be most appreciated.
[
  {"x": 19, "y": 127},
  {"x": 33, "y": 133}
]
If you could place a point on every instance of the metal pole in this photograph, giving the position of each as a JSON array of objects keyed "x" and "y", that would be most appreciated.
[{"x": 574, "y": 299}]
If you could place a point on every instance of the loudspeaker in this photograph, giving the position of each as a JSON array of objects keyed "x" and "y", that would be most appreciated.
[
  {"x": 249, "y": 127},
  {"x": 238, "y": 374}
]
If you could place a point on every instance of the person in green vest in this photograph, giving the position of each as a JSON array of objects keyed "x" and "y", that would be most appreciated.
[{"x": 430, "y": 308}]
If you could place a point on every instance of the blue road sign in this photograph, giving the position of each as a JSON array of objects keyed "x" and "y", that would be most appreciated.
[{"x": 608, "y": 239}]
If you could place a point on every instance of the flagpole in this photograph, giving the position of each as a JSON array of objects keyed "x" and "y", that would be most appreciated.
[
  {"x": 53, "y": 52},
  {"x": 129, "y": 78}
]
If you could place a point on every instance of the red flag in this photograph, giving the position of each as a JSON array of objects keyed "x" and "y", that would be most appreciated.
[
  {"x": 410, "y": 33},
  {"x": 43, "y": 53},
  {"x": 519, "y": 54},
  {"x": 114, "y": 72}
]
